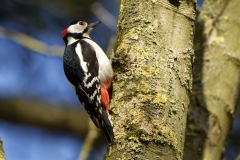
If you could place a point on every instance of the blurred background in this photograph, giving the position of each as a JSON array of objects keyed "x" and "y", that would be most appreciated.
[{"x": 40, "y": 116}]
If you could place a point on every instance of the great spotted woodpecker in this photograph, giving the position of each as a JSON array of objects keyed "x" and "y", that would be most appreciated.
[{"x": 90, "y": 72}]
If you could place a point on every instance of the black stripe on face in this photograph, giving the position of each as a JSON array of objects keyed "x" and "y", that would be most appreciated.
[{"x": 85, "y": 30}]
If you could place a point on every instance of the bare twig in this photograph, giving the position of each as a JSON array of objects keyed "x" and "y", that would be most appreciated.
[
  {"x": 91, "y": 137},
  {"x": 103, "y": 15},
  {"x": 31, "y": 43}
]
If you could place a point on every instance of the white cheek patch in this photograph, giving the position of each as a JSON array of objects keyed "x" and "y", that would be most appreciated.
[
  {"x": 86, "y": 35},
  {"x": 76, "y": 28},
  {"x": 71, "y": 40}
]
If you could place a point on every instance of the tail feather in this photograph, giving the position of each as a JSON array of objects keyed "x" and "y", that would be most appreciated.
[
  {"x": 106, "y": 127},
  {"x": 99, "y": 118}
]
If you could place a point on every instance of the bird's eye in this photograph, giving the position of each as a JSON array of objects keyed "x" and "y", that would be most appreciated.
[{"x": 81, "y": 23}]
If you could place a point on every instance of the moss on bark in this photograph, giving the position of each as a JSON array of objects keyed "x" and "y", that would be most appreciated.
[{"x": 152, "y": 79}]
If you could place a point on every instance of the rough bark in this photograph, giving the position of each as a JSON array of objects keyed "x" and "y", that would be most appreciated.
[
  {"x": 153, "y": 79},
  {"x": 216, "y": 83},
  {"x": 2, "y": 154}
]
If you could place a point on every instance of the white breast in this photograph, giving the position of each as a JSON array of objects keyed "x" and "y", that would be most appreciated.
[{"x": 105, "y": 67}]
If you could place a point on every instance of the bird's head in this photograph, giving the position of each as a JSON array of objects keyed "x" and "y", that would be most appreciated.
[{"x": 77, "y": 30}]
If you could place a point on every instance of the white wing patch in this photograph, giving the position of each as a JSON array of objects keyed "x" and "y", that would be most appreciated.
[
  {"x": 83, "y": 64},
  {"x": 105, "y": 67}
]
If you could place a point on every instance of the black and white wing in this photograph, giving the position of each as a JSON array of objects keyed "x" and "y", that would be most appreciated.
[{"x": 81, "y": 69}]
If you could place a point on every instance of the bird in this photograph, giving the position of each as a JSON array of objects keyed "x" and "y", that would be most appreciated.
[{"x": 90, "y": 72}]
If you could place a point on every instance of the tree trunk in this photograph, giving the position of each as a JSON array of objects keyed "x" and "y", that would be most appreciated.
[
  {"x": 216, "y": 84},
  {"x": 153, "y": 79},
  {"x": 2, "y": 154}
]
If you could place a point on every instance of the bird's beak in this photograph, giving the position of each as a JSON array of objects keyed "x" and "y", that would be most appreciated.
[{"x": 92, "y": 25}]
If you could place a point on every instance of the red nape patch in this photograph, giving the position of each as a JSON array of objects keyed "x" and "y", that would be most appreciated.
[
  {"x": 104, "y": 97},
  {"x": 64, "y": 32}
]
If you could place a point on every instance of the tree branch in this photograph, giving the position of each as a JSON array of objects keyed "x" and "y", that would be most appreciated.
[
  {"x": 44, "y": 115},
  {"x": 31, "y": 43},
  {"x": 216, "y": 84}
]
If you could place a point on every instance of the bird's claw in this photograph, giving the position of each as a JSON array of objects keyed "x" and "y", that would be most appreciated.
[{"x": 112, "y": 58}]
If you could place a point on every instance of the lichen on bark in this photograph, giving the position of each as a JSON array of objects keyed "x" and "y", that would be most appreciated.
[
  {"x": 2, "y": 154},
  {"x": 152, "y": 79}
]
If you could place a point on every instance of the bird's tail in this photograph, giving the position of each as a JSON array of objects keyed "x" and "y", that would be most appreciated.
[
  {"x": 101, "y": 119},
  {"x": 106, "y": 126}
]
